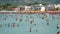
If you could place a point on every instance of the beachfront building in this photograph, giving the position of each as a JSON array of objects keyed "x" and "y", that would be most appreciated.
[
  {"x": 30, "y": 8},
  {"x": 27, "y": 8},
  {"x": 43, "y": 8},
  {"x": 39, "y": 8},
  {"x": 57, "y": 6},
  {"x": 20, "y": 8},
  {"x": 23, "y": 8},
  {"x": 50, "y": 7}
]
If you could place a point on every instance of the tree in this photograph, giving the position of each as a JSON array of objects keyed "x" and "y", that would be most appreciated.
[
  {"x": 57, "y": 8},
  {"x": 36, "y": 3},
  {"x": 44, "y": 3},
  {"x": 5, "y": 6}
]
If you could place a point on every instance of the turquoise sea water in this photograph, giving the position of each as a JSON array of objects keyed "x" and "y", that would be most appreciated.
[{"x": 21, "y": 24}]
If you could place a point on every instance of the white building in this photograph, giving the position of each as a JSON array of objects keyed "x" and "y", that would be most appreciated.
[
  {"x": 20, "y": 8},
  {"x": 39, "y": 7},
  {"x": 42, "y": 8},
  {"x": 27, "y": 8},
  {"x": 57, "y": 6},
  {"x": 50, "y": 7}
]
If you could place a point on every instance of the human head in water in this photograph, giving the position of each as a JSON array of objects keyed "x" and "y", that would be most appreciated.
[{"x": 58, "y": 32}]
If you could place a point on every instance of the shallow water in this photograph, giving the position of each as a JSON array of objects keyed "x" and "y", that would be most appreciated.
[{"x": 20, "y": 24}]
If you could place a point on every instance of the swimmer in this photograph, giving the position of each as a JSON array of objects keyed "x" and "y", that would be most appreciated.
[
  {"x": 4, "y": 19},
  {"x": 36, "y": 30},
  {"x": 57, "y": 26},
  {"x": 26, "y": 16},
  {"x": 38, "y": 13},
  {"x": 17, "y": 25},
  {"x": 14, "y": 24},
  {"x": 34, "y": 24},
  {"x": 16, "y": 19},
  {"x": 0, "y": 18},
  {"x": 43, "y": 17},
  {"x": 58, "y": 32},
  {"x": 0, "y": 25},
  {"x": 21, "y": 20},
  {"x": 32, "y": 20},
  {"x": 30, "y": 29},
  {"x": 53, "y": 17},
  {"x": 31, "y": 17},
  {"x": 47, "y": 23},
  {"x": 47, "y": 14},
  {"x": 8, "y": 25}
]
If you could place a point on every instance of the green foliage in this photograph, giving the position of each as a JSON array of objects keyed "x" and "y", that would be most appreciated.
[
  {"x": 44, "y": 3},
  {"x": 33, "y": 3},
  {"x": 56, "y": 8},
  {"x": 7, "y": 6},
  {"x": 36, "y": 3}
]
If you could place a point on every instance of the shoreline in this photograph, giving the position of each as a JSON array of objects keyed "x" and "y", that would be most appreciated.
[{"x": 30, "y": 12}]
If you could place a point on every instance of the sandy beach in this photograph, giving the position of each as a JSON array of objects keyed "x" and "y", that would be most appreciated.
[{"x": 29, "y": 12}]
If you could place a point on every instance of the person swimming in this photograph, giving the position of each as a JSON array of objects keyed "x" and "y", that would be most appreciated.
[
  {"x": 20, "y": 19},
  {"x": 31, "y": 17},
  {"x": 43, "y": 17},
  {"x": 16, "y": 18},
  {"x": 32, "y": 20},
  {"x": 47, "y": 23},
  {"x": 57, "y": 26},
  {"x": 46, "y": 14},
  {"x": 11, "y": 25},
  {"x": 26, "y": 16},
  {"x": 58, "y": 32},
  {"x": 8, "y": 24},
  {"x": 36, "y": 30},
  {"x": 17, "y": 25},
  {"x": 0, "y": 25},
  {"x": 53, "y": 17},
  {"x": 30, "y": 29},
  {"x": 14, "y": 24}
]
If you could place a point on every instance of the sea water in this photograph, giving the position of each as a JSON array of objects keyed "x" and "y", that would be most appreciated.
[{"x": 20, "y": 24}]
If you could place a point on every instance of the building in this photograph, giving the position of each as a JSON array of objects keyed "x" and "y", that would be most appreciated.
[
  {"x": 39, "y": 7},
  {"x": 50, "y": 7},
  {"x": 57, "y": 6},
  {"x": 20, "y": 8},
  {"x": 27, "y": 8},
  {"x": 43, "y": 8}
]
